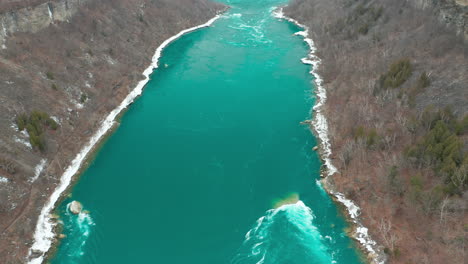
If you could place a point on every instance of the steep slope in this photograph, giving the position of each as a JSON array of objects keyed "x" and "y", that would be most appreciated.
[
  {"x": 396, "y": 75},
  {"x": 64, "y": 65}
]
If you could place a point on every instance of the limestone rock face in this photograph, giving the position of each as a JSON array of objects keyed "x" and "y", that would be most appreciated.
[
  {"x": 36, "y": 18},
  {"x": 76, "y": 207}
]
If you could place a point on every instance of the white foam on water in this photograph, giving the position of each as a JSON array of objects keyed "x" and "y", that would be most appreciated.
[
  {"x": 263, "y": 239},
  {"x": 80, "y": 229},
  {"x": 321, "y": 127},
  {"x": 38, "y": 169},
  {"x": 44, "y": 234},
  {"x": 232, "y": 15}
]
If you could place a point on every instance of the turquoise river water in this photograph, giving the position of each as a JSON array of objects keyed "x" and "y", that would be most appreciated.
[{"x": 211, "y": 165}]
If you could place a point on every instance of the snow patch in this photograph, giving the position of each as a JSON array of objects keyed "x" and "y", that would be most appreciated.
[
  {"x": 321, "y": 127},
  {"x": 44, "y": 235},
  {"x": 50, "y": 12},
  {"x": 56, "y": 119},
  {"x": 37, "y": 171},
  {"x": 78, "y": 105},
  {"x": 22, "y": 141},
  {"x": 110, "y": 60}
]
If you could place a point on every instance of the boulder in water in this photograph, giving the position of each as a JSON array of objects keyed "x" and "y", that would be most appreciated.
[{"x": 76, "y": 207}]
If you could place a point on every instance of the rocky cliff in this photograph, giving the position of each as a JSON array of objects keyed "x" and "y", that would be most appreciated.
[
  {"x": 453, "y": 13},
  {"x": 64, "y": 65},
  {"x": 35, "y": 18},
  {"x": 396, "y": 75}
]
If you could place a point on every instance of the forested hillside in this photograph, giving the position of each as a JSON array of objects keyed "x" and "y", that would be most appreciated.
[{"x": 396, "y": 74}]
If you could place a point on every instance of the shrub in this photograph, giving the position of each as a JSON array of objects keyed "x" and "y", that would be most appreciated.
[
  {"x": 398, "y": 73},
  {"x": 395, "y": 184},
  {"x": 359, "y": 21},
  {"x": 387, "y": 251},
  {"x": 442, "y": 148},
  {"x": 8, "y": 165},
  {"x": 417, "y": 182},
  {"x": 34, "y": 125},
  {"x": 363, "y": 29},
  {"x": 422, "y": 82},
  {"x": 83, "y": 98},
  {"x": 376, "y": 13},
  {"x": 359, "y": 132},
  {"x": 369, "y": 136},
  {"x": 54, "y": 87},
  {"x": 372, "y": 137},
  {"x": 22, "y": 121},
  {"x": 462, "y": 126},
  {"x": 50, "y": 75}
]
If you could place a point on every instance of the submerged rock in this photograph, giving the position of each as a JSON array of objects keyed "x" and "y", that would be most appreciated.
[
  {"x": 36, "y": 253},
  {"x": 53, "y": 216},
  {"x": 76, "y": 207}
]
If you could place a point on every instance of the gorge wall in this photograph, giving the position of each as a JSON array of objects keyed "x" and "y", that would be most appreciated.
[
  {"x": 70, "y": 61},
  {"x": 454, "y": 13},
  {"x": 396, "y": 75},
  {"x": 35, "y": 18}
]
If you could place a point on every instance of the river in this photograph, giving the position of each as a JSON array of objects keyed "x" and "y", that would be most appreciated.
[{"x": 211, "y": 164}]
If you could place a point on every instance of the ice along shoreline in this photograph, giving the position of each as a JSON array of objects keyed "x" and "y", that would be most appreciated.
[
  {"x": 319, "y": 125},
  {"x": 44, "y": 234}
]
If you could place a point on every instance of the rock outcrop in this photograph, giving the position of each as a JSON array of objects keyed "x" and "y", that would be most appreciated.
[
  {"x": 454, "y": 13},
  {"x": 36, "y": 18},
  {"x": 76, "y": 207}
]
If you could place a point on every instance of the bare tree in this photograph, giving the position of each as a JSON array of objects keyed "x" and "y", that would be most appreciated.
[
  {"x": 389, "y": 140},
  {"x": 346, "y": 154},
  {"x": 389, "y": 237},
  {"x": 443, "y": 212}
]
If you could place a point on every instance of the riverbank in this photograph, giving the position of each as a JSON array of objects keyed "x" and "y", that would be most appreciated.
[
  {"x": 319, "y": 127},
  {"x": 80, "y": 64},
  {"x": 44, "y": 234},
  {"x": 404, "y": 200},
  {"x": 173, "y": 140}
]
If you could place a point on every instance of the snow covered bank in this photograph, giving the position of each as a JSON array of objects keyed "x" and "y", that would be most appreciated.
[
  {"x": 44, "y": 234},
  {"x": 321, "y": 127}
]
